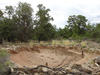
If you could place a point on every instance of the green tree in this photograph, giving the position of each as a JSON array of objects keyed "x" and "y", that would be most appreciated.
[
  {"x": 7, "y": 25},
  {"x": 1, "y": 21},
  {"x": 8, "y": 29},
  {"x": 77, "y": 24},
  {"x": 17, "y": 25},
  {"x": 96, "y": 33},
  {"x": 90, "y": 30},
  {"x": 9, "y": 11},
  {"x": 44, "y": 29},
  {"x": 24, "y": 21},
  {"x": 1, "y": 13}
]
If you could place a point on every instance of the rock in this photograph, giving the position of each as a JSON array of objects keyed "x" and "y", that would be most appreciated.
[
  {"x": 81, "y": 69},
  {"x": 36, "y": 73},
  {"x": 97, "y": 60},
  {"x": 96, "y": 71}
]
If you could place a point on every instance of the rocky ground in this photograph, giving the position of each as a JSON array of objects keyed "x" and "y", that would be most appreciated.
[{"x": 75, "y": 69}]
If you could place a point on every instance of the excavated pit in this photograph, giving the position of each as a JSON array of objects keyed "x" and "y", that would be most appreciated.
[{"x": 52, "y": 56}]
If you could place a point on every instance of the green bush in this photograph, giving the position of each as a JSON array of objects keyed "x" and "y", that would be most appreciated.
[
  {"x": 4, "y": 58},
  {"x": 3, "y": 53}
]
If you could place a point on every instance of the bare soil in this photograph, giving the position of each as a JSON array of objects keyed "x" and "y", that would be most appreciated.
[{"x": 53, "y": 56}]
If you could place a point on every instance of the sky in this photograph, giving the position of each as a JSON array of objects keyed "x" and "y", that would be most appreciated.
[{"x": 61, "y": 9}]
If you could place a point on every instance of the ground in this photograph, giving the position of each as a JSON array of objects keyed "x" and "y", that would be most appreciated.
[{"x": 53, "y": 56}]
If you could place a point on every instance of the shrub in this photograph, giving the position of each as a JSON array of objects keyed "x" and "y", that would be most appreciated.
[{"x": 4, "y": 58}]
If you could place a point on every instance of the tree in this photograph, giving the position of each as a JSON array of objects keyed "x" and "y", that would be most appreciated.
[
  {"x": 24, "y": 23},
  {"x": 96, "y": 33},
  {"x": 44, "y": 29},
  {"x": 10, "y": 11},
  {"x": 1, "y": 13},
  {"x": 7, "y": 25},
  {"x": 8, "y": 29},
  {"x": 90, "y": 30},
  {"x": 18, "y": 24},
  {"x": 1, "y": 21},
  {"x": 77, "y": 24}
]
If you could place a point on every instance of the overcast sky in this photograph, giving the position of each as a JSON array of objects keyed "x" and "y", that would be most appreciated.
[{"x": 61, "y": 9}]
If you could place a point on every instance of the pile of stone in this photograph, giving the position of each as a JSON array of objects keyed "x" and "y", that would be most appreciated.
[{"x": 44, "y": 70}]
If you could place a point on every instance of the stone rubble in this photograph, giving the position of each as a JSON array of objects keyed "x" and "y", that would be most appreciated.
[{"x": 75, "y": 69}]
